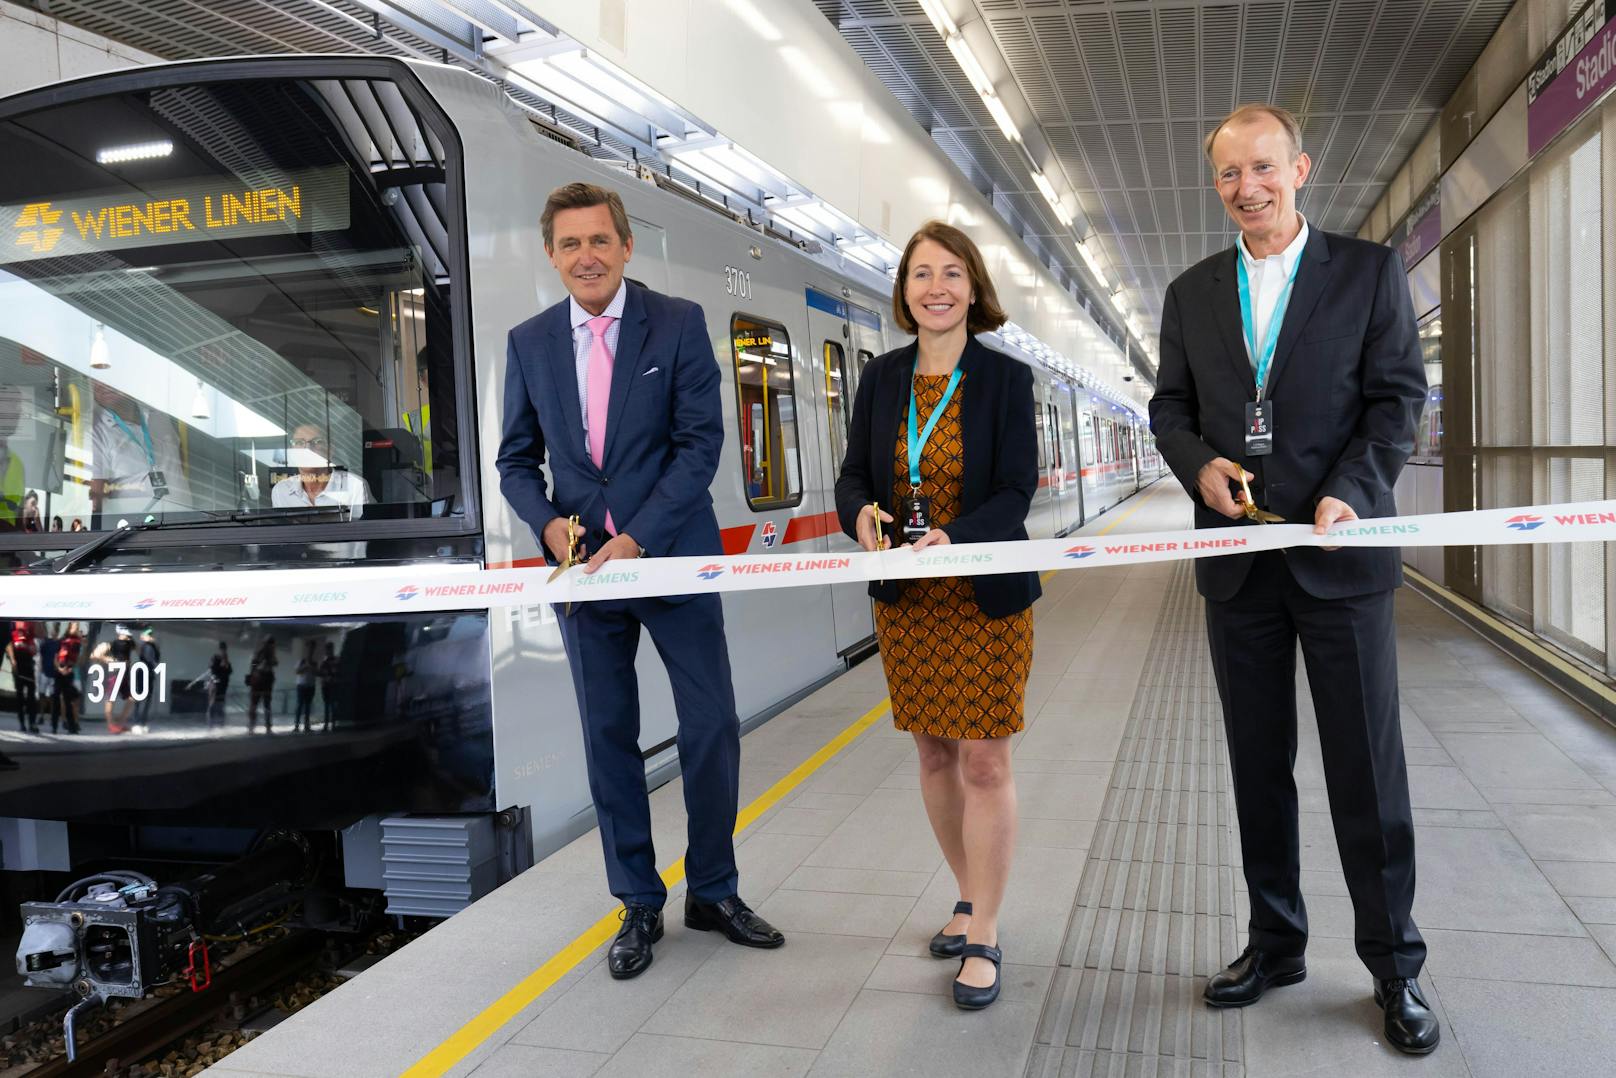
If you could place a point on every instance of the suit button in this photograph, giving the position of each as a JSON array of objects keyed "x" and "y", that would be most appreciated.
[{"x": 605, "y": 480}]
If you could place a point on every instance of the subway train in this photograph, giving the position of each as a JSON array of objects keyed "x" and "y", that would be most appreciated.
[{"x": 264, "y": 302}]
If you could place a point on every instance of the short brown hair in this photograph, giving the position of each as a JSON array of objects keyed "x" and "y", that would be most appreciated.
[
  {"x": 1287, "y": 120},
  {"x": 985, "y": 314},
  {"x": 580, "y": 196}
]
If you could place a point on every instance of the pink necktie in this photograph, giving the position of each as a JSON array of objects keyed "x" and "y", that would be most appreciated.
[{"x": 600, "y": 392}]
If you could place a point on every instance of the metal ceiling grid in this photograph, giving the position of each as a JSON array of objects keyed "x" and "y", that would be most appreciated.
[{"x": 1124, "y": 90}]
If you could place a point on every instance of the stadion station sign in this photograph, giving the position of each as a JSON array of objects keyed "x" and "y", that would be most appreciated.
[{"x": 1574, "y": 73}]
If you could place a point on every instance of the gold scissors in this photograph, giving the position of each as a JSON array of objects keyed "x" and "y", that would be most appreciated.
[
  {"x": 1260, "y": 516},
  {"x": 875, "y": 514},
  {"x": 572, "y": 555}
]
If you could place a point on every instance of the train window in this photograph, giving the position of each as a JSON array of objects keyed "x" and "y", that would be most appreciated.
[
  {"x": 771, "y": 468},
  {"x": 864, "y": 357},
  {"x": 251, "y": 313},
  {"x": 837, "y": 413}
]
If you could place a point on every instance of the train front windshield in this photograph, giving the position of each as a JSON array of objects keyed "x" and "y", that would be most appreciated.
[{"x": 221, "y": 297}]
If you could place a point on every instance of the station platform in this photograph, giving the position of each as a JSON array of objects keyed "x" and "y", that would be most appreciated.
[{"x": 1126, "y": 891}]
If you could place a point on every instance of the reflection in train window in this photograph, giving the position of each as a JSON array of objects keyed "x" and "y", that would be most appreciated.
[
  {"x": 864, "y": 357},
  {"x": 1043, "y": 436},
  {"x": 770, "y": 465},
  {"x": 836, "y": 395},
  {"x": 260, "y": 319}
]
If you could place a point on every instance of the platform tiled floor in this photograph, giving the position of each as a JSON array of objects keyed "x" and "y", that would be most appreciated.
[{"x": 1125, "y": 892}]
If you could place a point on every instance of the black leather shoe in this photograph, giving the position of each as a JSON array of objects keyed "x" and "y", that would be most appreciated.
[
  {"x": 630, "y": 955},
  {"x": 1250, "y": 975},
  {"x": 1410, "y": 1025},
  {"x": 969, "y": 997},
  {"x": 734, "y": 918},
  {"x": 945, "y": 946}
]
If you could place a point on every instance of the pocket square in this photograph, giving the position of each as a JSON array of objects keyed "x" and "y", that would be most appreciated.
[{"x": 653, "y": 370}]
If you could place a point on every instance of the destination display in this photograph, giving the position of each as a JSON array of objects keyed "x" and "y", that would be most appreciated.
[{"x": 314, "y": 200}]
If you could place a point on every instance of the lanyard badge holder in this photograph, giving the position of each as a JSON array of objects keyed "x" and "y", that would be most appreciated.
[
  {"x": 1260, "y": 413},
  {"x": 154, "y": 474},
  {"x": 917, "y": 507}
]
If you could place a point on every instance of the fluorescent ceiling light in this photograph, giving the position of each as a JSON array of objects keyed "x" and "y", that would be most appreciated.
[
  {"x": 938, "y": 14},
  {"x": 139, "y": 151},
  {"x": 1093, "y": 263},
  {"x": 1001, "y": 116},
  {"x": 975, "y": 74}
]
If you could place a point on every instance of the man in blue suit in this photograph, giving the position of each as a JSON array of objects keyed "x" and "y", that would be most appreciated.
[{"x": 617, "y": 385}]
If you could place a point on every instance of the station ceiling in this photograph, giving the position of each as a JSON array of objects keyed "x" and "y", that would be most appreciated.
[{"x": 1124, "y": 91}]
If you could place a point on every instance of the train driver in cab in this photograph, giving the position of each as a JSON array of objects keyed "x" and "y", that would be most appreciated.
[
  {"x": 617, "y": 390},
  {"x": 318, "y": 480}
]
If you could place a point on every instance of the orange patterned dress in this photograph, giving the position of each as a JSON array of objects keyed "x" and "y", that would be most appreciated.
[{"x": 952, "y": 671}]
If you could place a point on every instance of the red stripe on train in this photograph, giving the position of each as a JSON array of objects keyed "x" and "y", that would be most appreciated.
[
  {"x": 738, "y": 538},
  {"x": 803, "y": 528}
]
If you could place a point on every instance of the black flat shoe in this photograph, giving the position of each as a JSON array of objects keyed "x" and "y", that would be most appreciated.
[
  {"x": 945, "y": 946},
  {"x": 734, "y": 918},
  {"x": 1410, "y": 1025},
  {"x": 968, "y": 997},
  {"x": 1250, "y": 975},
  {"x": 630, "y": 955}
]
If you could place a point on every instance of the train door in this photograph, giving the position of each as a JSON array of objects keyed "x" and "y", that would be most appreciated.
[
  {"x": 834, "y": 345},
  {"x": 1071, "y": 491}
]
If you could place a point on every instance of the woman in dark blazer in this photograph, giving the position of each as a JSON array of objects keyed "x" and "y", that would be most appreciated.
[{"x": 956, "y": 650}]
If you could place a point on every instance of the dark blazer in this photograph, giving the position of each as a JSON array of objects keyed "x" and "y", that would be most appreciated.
[
  {"x": 1347, "y": 383},
  {"x": 664, "y": 428},
  {"x": 1001, "y": 460}
]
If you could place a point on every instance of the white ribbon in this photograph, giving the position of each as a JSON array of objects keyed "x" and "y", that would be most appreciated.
[{"x": 140, "y": 595}]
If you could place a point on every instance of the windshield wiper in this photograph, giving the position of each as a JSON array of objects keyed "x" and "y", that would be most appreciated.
[{"x": 79, "y": 555}]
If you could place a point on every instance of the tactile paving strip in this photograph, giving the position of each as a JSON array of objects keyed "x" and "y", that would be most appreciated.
[{"x": 1155, "y": 910}]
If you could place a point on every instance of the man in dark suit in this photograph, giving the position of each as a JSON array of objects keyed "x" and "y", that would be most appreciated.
[
  {"x": 1292, "y": 361},
  {"x": 617, "y": 389}
]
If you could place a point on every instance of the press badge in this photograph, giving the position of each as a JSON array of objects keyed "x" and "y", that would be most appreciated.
[
  {"x": 159, "y": 486},
  {"x": 916, "y": 517},
  {"x": 1259, "y": 428}
]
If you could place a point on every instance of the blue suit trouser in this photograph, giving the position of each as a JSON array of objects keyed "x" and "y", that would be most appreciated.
[{"x": 601, "y": 640}]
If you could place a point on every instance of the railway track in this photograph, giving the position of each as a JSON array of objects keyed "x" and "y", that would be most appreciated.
[{"x": 138, "y": 1037}]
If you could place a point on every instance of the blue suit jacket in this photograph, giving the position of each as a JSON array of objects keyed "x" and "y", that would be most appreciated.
[{"x": 664, "y": 428}]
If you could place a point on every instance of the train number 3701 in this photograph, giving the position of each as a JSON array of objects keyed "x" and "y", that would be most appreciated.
[
  {"x": 126, "y": 681},
  {"x": 737, "y": 282}
]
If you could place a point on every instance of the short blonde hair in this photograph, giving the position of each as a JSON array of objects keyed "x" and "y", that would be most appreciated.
[
  {"x": 1287, "y": 120},
  {"x": 985, "y": 314}
]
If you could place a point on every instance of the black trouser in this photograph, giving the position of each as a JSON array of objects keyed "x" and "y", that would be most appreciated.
[
  {"x": 26, "y": 681},
  {"x": 305, "y": 708},
  {"x": 1350, "y": 647}
]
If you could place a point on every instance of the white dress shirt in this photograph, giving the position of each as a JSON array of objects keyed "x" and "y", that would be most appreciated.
[
  {"x": 344, "y": 489},
  {"x": 581, "y": 338},
  {"x": 1268, "y": 277},
  {"x": 118, "y": 457}
]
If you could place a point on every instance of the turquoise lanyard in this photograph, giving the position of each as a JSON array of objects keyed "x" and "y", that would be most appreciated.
[
  {"x": 936, "y": 413},
  {"x": 151, "y": 457},
  {"x": 1265, "y": 357}
]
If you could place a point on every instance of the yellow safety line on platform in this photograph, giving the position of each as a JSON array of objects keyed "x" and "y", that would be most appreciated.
[
  {"x": 468, "y": 1037},
  {"x": 1520, "y": 637}
]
